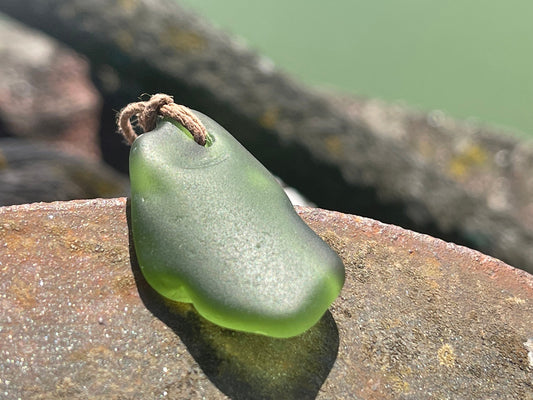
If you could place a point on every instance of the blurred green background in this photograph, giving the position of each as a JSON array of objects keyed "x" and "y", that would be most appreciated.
[{"x": 469, "y": 58}]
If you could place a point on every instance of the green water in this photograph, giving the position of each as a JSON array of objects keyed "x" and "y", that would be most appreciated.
[{"x": 469, "y": 58}]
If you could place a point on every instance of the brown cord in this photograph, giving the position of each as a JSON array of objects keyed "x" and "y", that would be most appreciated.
[{"x": 147, "y": 113}]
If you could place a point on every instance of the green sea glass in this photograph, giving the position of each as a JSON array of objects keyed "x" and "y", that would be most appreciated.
[{"x": 212, "y": 226}]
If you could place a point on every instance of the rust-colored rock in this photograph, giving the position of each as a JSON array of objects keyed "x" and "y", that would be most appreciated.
[{"x": 417, "y": 318}]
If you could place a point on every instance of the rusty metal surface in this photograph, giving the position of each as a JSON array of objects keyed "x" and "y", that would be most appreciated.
[{"x": 417, "y": 318}]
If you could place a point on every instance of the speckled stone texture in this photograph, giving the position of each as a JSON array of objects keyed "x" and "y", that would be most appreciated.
[{"x": 418, "y": 318}]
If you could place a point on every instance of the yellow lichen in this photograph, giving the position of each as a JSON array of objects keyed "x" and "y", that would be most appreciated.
[
  {"x": 3, "y": 161},
  {"x": 125, "y": 41},
  {"x": 270, "y": 117},
  {"x": 333, "y": 145},
  {"x": 128, "y": 6},
  {"x": 515, "y": 300},
  {"x": 182, "y": 40},
  {"x": 462, "y": 164},
  {"x": 398, "y": 384},
  {"x": 446, "y": 355}
]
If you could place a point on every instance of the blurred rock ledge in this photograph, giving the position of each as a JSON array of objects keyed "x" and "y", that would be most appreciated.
[
  {"x": 490, "y": 164},
  {"x": 33, "y": 170},
  {"x": 417, "y": 318},
  {"x": 46, "y": 93}
]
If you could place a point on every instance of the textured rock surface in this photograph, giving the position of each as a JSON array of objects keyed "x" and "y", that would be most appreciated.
[{"x": 417, "y": 318}]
